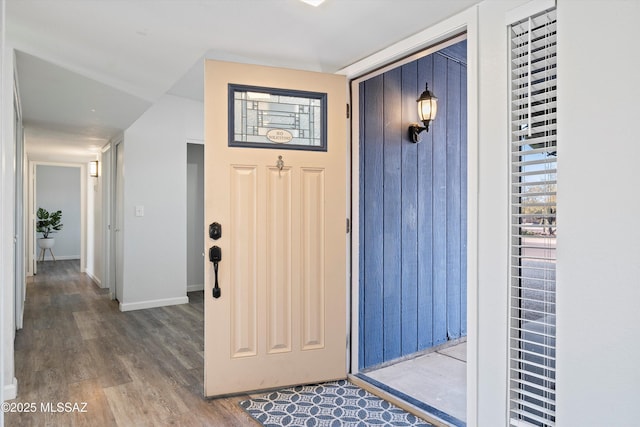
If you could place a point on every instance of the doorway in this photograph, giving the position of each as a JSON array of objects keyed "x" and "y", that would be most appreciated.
[
  {"x": 195, "y": 216},
  {"x": 59, "y": 187},
  {"x": 412, "y": 304}
]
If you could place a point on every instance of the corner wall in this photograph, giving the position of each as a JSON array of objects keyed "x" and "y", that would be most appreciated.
[
  {"x": 598, "y": 275},
  {"x": 155, "y": 265}
]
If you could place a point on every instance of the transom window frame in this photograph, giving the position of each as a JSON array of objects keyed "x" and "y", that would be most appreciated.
[{"x": 278, "y": 138}]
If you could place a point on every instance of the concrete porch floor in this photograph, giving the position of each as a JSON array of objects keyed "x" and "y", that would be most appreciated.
[{"x": 438, "y": 379}]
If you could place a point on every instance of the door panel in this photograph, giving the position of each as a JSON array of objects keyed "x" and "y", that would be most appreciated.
[
  {"x": 280, "y": 262},
  {"x": 281, "y": 316}
]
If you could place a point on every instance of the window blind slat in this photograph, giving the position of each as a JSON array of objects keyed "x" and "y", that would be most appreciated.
[
  {"x": 539, "y": 411},
  {"x": 546, "y": 391},
  {"x": 532, "y": 193},
  {"x": 530, "y": 353},
  {"x": 538, "y": 334},
  {"x": 535, "y": 173},
  {"x": 543, "y": 399},
  {"x": 527, "y": 404},
  {"x": 541, "y": 31},
  {"x": 537, "y": 120},
  {"x": 521, "y": 187},
  {"x": 538, "y": 129},
  {"x": 549, "y": 95},
  {"x": 540, "y": 89},
  {"x": 544, "y": 422},
  {"x": 533, "y": 411},
  {"x": 544, "y": 48},
  {"x": 544, "y": 281},
  {"x": 520, "y": 423}
]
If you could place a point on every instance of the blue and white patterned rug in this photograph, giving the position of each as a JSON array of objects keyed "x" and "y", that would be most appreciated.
[{"x": 333, "y": 404}]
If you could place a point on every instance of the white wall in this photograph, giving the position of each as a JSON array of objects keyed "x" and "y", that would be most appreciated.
[
  {"x": 598, "y": 213},
  {"x": 59, "y": 188},
  {"x": 155, "y": 271},
  {"x": 7, "y": 199}
]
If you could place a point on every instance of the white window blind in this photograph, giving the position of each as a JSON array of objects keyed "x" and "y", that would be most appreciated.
[{"x": 532, "y": 324}]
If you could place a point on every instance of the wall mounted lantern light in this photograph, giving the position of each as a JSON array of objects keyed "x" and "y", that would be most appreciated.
[
  {"x": 427, "y": 110},
  {"x": 93, "y": 168}
]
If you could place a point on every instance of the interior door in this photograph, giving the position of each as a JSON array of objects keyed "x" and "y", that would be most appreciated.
[{"x": 280, "y": 318}]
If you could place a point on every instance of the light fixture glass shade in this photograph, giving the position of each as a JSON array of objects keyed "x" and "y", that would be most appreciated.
[
  {"x": 93, "y": 168},
  {"x": 427, "y": 110},
  {"x": 427, "y": 106}
]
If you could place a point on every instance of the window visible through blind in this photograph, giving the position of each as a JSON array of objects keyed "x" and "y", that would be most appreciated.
[{"x": 532, "y": 323}]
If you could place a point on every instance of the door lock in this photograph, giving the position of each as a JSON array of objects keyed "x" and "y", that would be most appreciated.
[{"x": 215, "y": 230}]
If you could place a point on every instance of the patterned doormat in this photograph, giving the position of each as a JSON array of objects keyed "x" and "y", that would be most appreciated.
[{"x": 333, "y": 404}]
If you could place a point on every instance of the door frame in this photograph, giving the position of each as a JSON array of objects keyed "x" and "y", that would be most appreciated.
[
  {"x": 20, "y": 225},
  {"x": 33, "y": 247},
  {"x": 116, "y": 229},
  {"x": 196, "y": 287},
  {"x": 391, "y": 57},
  {"x": 106, "y": 157}
]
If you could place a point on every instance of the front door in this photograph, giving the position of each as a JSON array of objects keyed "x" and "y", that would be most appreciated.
[{"x": 280, "y": 318}]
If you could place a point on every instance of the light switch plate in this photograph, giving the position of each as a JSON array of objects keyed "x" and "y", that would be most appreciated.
[{"x": 139, "y": 210}]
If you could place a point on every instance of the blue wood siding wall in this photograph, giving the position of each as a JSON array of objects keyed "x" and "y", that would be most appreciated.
[{"x": 413, "y": 202}]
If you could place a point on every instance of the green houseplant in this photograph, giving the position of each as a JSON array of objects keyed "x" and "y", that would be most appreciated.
[{"x": 48, "y": 222}]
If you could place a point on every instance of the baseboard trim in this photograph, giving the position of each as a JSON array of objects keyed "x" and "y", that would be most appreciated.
[
  {"x": 95, "y": 279},
  {"x": 10, "y": 391},
  {"x": 153, "y": 303},
  {"x": 59, "y": 258},
  {"x": 195, "y": 288}
]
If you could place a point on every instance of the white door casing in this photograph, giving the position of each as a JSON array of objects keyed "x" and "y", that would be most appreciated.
[
  {"x": 119, "y": 223},
  {"x": 281, "y": 316}
]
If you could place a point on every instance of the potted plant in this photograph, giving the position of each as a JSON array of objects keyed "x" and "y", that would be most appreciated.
[{"x": 48, "y": 223}]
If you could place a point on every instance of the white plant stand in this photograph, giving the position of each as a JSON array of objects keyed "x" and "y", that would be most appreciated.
[{"x": 44, "y": 245}]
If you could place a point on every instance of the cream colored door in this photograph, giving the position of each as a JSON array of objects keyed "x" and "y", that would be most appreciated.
[{"x": 281, "y": 315}]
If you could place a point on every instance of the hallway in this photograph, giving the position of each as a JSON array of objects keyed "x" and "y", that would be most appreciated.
[{"x": 142, "y": 368}]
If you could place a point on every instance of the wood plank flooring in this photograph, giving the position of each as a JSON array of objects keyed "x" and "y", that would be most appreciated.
[{"x": 139, "y": 368}]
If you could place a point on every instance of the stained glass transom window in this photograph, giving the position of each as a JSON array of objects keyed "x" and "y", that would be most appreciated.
[{"x": 276, "y": 118}]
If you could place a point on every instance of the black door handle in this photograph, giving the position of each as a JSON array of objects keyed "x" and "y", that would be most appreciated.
[{"x": 215, "y": 256}]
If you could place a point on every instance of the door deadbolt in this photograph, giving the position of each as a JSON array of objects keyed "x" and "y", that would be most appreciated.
[{"x": 215, "y": 230}]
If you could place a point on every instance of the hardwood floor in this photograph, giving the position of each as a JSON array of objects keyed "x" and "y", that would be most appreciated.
[{"x": 139, "y": 368}]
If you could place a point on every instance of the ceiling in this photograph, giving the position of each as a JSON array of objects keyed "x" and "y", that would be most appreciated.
[{"x": 87, "y": 69}]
